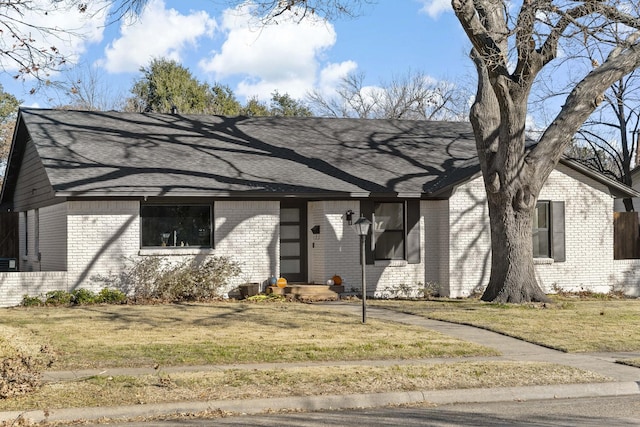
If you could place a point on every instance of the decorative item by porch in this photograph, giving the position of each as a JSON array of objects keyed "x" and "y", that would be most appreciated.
[
  {"x": 282, "y": 282},
  {"x": 337, "y": 280},
  {"x": 273, "y": 281},
  {"x": 330, "y": 282}
]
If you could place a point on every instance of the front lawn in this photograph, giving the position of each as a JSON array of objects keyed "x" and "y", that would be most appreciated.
[{"x": 568, "y": 324}]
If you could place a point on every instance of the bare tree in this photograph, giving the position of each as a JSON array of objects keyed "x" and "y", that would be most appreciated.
[
  {"x": 83, "y": 88},
  {"x": 413, "y": 95},
  {"x": 612, "y": 130},
  {"x": 33, "y": 50}
]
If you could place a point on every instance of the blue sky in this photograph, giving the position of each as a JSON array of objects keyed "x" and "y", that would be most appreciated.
[{"x": 220, "y": 44}]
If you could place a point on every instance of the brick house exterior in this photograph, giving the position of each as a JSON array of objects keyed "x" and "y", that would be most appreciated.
[{"x": 85, "y": 182}]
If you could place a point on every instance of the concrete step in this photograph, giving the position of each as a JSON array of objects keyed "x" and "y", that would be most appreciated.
[{"x": 308, "y": 292}]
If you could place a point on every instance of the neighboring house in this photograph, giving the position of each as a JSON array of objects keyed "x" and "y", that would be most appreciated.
[
  {"x": 94, "y": 187},
  {"x": 635, "y": 183}
]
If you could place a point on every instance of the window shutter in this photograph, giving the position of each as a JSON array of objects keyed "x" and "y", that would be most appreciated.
[
  {"x": 366, "y": 209},
  {"x": 413, "y": 231},
  {"x": 557, "y": 232}
]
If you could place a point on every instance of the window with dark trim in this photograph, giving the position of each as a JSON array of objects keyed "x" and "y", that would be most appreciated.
[
  {"x": 548, "y": 231},
  {"x": 389, "y": 230},
  {"x": 170, "y": 226},
  {"x": 396, "y": 230},
  {"x": 541, "y": 231}
]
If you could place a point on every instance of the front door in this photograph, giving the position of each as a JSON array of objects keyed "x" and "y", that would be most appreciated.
[{"x": 293, "y": 241}]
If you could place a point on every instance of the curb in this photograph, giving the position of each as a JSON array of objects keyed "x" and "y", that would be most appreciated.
[{"x": 334, "y": 402}]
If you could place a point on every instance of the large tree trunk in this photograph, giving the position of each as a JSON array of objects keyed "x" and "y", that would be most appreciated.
[{"x": 513, "y": 276}]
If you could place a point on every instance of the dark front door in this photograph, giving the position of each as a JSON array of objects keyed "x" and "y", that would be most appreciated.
[{"x": 293, "y": 241}]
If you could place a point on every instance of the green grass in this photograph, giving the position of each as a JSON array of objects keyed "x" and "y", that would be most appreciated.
[{"x": 568, "y": 324}]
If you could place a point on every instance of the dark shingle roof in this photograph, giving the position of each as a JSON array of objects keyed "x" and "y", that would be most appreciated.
[
  {"x": 133, "y": 154},
  {"x": 96, "y": 153}
]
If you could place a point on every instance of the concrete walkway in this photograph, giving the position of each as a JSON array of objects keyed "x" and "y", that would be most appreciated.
[{"x": 625, "y": 380}]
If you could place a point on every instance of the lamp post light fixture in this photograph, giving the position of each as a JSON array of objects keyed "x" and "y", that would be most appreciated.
[{"x": 361, "y": 227}]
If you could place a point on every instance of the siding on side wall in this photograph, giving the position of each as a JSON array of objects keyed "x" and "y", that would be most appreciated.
[
  {"x": 32, "y": 186},
  {"x": 53, "y": 237}
]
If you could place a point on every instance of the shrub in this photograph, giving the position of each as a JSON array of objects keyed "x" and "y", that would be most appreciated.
[
  {"x": 28, "y": 301},
  {"x": 157, "y": 279},
  {"x": 83, "y": 297},
  {"x": 58, "y": 298},
  {"x": 110, "y": 296}
]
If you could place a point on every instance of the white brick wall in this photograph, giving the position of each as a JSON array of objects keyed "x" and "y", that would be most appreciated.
[
  {"x": 101, "y": 234},
  {"x": 14, "y": 286},
  {"x": 249, "y": 232},
  {"x": 436, "y": 249},
  {"x": 589, "y": 237},
  {"x": 589, "y": 234},
  {"x": 337, "y": 251},
  {"x": 470, "y": 240}
]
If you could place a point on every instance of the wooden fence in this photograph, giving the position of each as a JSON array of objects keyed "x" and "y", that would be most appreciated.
[
  {"x": 626, "y": 235},
  {"x": 9, "y": 245}
]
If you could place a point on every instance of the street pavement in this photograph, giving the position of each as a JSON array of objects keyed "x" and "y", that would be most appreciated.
[{"x": 625, "y": 380}]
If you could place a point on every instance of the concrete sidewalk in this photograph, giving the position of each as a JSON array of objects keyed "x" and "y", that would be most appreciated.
[{"x": 625, "y": 380}]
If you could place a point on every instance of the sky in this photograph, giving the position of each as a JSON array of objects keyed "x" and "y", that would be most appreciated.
[{"x": 221, "y": 44}]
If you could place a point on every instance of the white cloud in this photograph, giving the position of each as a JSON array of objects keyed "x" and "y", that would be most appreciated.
[
  {"x": 158, "y": 33},
  {"x": 331, "y": 76},
  {"x": 435, "y": 8},
  {"x": 71, "y": 30},
  {"x": 283, "y": 57}
]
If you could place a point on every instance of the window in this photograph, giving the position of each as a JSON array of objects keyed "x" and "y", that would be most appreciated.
[
  {"x": 541, "y": 229},
  {"x": 548, "y": 231},
  {"x": 388, "y": 230},
  {"x": 396, "y": 230},
  {"x": 176, "y": 225}
]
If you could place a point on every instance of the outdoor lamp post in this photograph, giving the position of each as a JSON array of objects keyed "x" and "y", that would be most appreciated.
[{"x": 361, "y": 226}]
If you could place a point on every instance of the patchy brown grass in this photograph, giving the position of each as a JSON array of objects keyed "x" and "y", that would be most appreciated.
[
  {"x": 306, "y": 381},
  {"x": 568, "y": 324},
  {"x": 220, "y": 333}
]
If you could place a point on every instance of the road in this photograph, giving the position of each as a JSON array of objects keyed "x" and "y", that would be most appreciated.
[{"x": 618, "y": 411}]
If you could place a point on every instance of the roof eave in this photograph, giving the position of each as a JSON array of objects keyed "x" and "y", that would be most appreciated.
[{"x": 618, "y": 189}]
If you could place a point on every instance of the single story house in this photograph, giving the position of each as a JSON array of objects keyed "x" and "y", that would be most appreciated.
[{"x": 277, "y": 194}]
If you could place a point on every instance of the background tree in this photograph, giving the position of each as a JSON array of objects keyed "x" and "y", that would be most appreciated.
[
  {"x": 285, "y": 105},
  {"x": 84, "y": 89},
  {"x": 8, "y": 111},
  {"x": 611, "y": 133},
  {"x": 165, "y": 84},
  {"x": 413, "y": 95}
]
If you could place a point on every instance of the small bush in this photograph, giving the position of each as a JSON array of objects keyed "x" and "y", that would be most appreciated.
[
  {"x": 28, "y": 301},
  {"x": 157, "y": 279},
  {"x": 58, "y": 298},
  {"x": 83, "y": 297},
  {"x": 110, "y": 296}
]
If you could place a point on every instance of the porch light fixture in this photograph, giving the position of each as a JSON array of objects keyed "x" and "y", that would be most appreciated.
[
  {"x": 361, "y": 227},
  {"x": 349, "y": 216}
]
